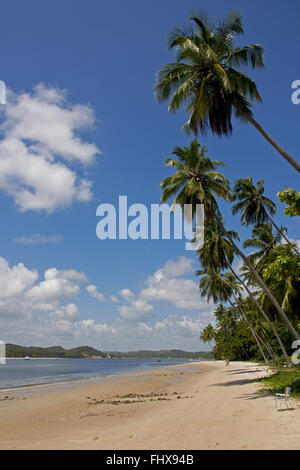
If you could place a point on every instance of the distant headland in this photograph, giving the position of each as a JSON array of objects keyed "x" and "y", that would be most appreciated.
[{"x": 87, "y": 352}]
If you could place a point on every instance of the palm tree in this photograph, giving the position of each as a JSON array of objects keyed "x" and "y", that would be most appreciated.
[
  {"x": 217, "y": 253},
  {"x": 220, "y": 287},
  {"x": 281, "y": 272},
  {"x": 236, "y": 290},
  {"x": 260, "y": 326},
  {"x": 255, "y": 208},
  {"x": 197, "y": 181},
  {"x": 207, "y": 80},
  {"x": 265, "y": 241},
  {"x": 207, "y": 334},
  {"x": 219, "y": 312}
]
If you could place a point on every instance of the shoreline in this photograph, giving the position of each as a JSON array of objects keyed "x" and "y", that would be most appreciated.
[
  {"x": 202, "y": 405},
  {"x": 91, "y": 379}
]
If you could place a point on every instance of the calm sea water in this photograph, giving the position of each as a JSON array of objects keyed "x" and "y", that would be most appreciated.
[{"x": 18, "y": 372}]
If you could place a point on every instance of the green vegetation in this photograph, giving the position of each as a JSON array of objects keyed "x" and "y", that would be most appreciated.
[
  {"x": 13, "y": 350},
  {"x": 257, "y": 314},
  {"x": 292, "y": 198},
  {"x": 165, "y": 353},
  {"x": 277, "y": 382},
  {"x": 207, "y": 77}
]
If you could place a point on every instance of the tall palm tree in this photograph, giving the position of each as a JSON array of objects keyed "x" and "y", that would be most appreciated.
[
  {"x": 207, "y": 334},
  {"x": 236, "y": 291},
  {"x": 265, "y": 241},
  {"x": 197, "y": 181},
  {"x": 220, "y": 310},
  {"x": 217, "y": 253},
  {"x": 282, "y": 273},
  {"x": 259, "y": 325},
  {"x": 207, "y": 80},
  {"x": 255, "y": 208},
  {"x": 220, "y": 287}
]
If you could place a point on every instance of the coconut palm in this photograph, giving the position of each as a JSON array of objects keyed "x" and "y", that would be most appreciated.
[
  {"x": 207, "y": 334},
  {"x": 217, "y": 253},
  {"x": 206, "y": 77},
  {"x": 219, "y": 311},
  {"x": 197, "y": 181},
  {"x": 220, "y": 287},
  {"x": 255, "y": 208},
  {"x": 282, "y": 273},
  {"x": 260, "y": 326},
  {"x": 265, "y": 241},
  {"x": 236, "y": 291}
]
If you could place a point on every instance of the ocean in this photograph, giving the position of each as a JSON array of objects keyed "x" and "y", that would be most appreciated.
[{"x": 18, "y": 372}]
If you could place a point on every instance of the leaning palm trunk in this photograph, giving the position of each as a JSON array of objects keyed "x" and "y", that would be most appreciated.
[
  {"x": 264, "y": 315},
  {"x": 280, "y": 150},
  {"x": 265, "y": 344},
  {"x": 255, "y": 335},
  {"x": 270, "y": 350},
  {"x": 259, "y": 339},
  {"x": 283, "y": 235},
  {"x": 260, "y": 282},
  {"x": 252, "y": 331},
  {"x": 256, "y": 338}
]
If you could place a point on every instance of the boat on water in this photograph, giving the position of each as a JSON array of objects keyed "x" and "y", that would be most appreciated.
[{"x": 27, "y": 358}]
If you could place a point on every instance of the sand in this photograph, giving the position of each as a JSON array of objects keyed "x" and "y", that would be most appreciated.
[{"x": 201, "y": 405}]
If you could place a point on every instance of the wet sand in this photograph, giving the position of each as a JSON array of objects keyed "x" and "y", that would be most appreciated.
[{"x": 201, "y": 405}]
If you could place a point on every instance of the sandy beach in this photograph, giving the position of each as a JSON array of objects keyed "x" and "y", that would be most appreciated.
[{"x": 201, "y": 405}]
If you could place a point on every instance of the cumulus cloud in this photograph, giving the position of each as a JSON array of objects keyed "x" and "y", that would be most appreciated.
[
  {"x": 136, "y": 310},
  {"x": 43, "y": 314},
  {"x": 38, "y": 239},
  {"x": 67, "y": 312},
  {"x": 15, "y": 280},
  {"x": 56, "y": 285},
  {"x": 167, "y": 284},
  {"x": 92, "y": 290},
  {"x": 39, "y": 140}
]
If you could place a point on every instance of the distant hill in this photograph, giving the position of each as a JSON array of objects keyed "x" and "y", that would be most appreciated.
[
  {"x": 14, "y": 350},
  {"x": 163, "y": 353}
]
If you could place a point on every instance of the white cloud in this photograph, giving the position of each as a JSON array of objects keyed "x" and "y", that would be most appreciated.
[
  {"x": 14, "y": 281},
  {"x": 33, "y": 312},
  {"x": 137, "y": 310},
  {"x": 67, "y": 312},
  {"x": 56, "y": 285},
  {"x": 167, "y": 285},
  {"x": 92, "y": 290},
  {"x": 38, "y": 239},
  {"x": 127, "y": 294},
  {"x": 39, "y": 129}
]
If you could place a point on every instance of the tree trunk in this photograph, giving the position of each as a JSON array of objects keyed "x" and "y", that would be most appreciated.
[
  {"x": 280, "y": 150},
  {"x": 270, "y": 351},
  {"x": 252, "y": 331},
  {"x": 260, "y": 282},
  {"x": 283, "y": 235},
  {"x": 265, "y": 344},
  {"x": 264, "y": 315}
]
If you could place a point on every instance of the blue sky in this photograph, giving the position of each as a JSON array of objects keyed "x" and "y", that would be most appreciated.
[{"x": 105, "y": 56}]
